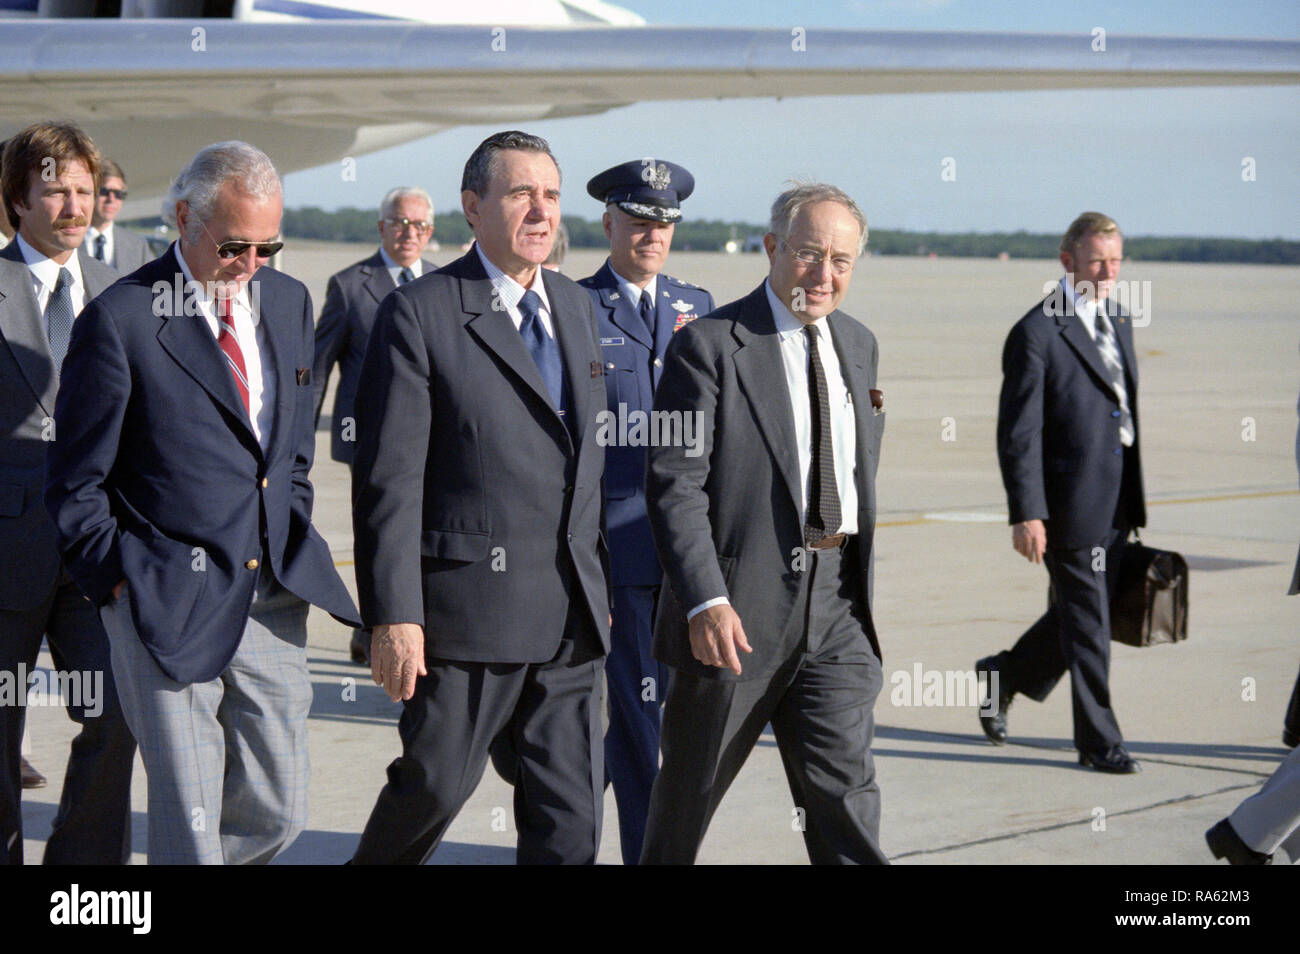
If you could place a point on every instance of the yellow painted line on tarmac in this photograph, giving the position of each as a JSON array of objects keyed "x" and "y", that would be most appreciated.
[{"x": 1212, "y": 498}]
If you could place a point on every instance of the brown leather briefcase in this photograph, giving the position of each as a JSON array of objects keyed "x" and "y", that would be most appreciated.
[{"x": 1150, "y": 604}]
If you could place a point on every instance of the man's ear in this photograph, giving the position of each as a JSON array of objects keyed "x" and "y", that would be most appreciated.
[{"x": 469, "y": 205}]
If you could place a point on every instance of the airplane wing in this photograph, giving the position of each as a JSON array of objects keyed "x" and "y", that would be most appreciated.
[{"x": 154, "y": 91}]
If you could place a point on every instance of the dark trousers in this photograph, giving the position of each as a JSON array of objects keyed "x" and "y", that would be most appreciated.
[
  {"x": 93, "y": 823},
  {"x": 549, "y": 713},
  {"x": 819, "y": 702},
  {"x": 1074, "y": 636},
  {"x": 636, "y": 684}
]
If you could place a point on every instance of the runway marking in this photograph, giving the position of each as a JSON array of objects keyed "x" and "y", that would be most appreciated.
[
  {"x": 993, "y": 839},
  {"x": 972, "y": 516}
]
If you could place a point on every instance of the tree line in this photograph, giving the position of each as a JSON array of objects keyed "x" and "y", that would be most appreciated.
[{"x": 450, "y": 229}]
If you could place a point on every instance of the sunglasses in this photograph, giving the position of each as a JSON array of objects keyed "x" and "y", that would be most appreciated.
[
  {"x": 233, "y": 249},
  {"x": 119, "y": 194}
]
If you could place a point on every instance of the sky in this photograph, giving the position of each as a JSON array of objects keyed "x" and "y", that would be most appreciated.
[{"x": 1161, "y": 162}]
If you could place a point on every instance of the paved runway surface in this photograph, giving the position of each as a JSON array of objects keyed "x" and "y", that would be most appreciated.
[{"x": 1219, "y": 381}]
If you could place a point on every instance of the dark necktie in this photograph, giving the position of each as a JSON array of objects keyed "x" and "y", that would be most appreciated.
[
  {"x": 646, "y": 309},
  {"x": 229, "y": 345},
  {"x": 1110, "y": 357},
  {"x": 100, "y": 242},
  {"x": 823, "y": 493},
  {"x": 58, "y": 317},
  {"x": 405, "y": 276},
  {"x": 545, "y": 352}
]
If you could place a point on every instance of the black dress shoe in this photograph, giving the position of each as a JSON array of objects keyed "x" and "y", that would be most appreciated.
[
  {"x": 30, "y": 777},
  {"x": 994, "y": 723},
  {"x": 1290, "y": 739},
  {"x": 360, "y": 647},
  {"x": 1224, "y": 842},
  {"x": 1116, "y": 761}
]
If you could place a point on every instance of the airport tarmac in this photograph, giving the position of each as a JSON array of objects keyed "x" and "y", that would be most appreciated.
[{"x": 1217, "y": 404}]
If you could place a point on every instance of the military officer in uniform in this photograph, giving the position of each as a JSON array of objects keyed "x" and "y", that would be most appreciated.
[{"x": 638, "y": 308}]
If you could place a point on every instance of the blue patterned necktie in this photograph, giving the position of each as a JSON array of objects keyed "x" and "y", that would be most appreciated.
[
  {"x": 58, "y": 317},
  {"x": 545, "y": 352},
  {"x": 646, "y": 309}
]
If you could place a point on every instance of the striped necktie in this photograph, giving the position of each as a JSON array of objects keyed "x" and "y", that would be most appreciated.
[
  {"x": 1110, "y": 357},
  {"x": 229, "y": 344}
]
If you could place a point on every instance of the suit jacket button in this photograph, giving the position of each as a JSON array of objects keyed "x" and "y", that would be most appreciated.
[
  {"x": 250, "y": 565},
  {"x": 570, "y": 536},
  {"x": 1119, "y": 450},
  {"x": 1114, "y": 413},
  {"x": 264, "y": 483}
]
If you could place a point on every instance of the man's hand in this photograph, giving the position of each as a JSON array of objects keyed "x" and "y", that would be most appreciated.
[
  {"x": 397, "y": 658},
  {"x": 1030, "y": 540},
  {"x": 716, "y": 634}
]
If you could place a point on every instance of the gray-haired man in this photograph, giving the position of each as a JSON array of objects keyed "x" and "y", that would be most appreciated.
[
  {"x": 351, "y": 300},
  {"x": 765, "y": 536},
  {"x": 179, "y": 488}
]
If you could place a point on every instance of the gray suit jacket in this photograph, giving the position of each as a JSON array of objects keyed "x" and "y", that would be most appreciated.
[
  {"x": 726, "y": 522},
  {"x": 130, "y": 251},
  {"x": 351, "y": 300},
  {"x": 29, "y": 560},
  {"x": 477, "y": 510}
]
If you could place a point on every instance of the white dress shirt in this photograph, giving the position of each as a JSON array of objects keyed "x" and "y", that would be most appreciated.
[
  {"x": 93, "y": 233},
  {"x": 395, "y": 270},
  {"x": 509, "y": 292},
  {"x": 251, "y": 336},
  {"x": 796, "y": 358},
  {"x": 45, "y": 272}
]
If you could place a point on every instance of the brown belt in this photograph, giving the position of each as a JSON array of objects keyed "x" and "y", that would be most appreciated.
[{"x": 827, "y": 543}]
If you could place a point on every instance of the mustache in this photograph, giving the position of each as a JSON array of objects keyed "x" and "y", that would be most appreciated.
[{"x": 77, "y": 221}]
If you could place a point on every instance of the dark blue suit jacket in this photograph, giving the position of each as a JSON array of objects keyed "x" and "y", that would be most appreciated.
[
  {"x": 156, "y": 475},
  {"x": 633, "y": 366},
  {"x": 1058, "y": 428},
  {"x": 476, "y": 508}
]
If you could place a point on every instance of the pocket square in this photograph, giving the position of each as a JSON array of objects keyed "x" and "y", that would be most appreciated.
[{"x": 304, "y": 375}]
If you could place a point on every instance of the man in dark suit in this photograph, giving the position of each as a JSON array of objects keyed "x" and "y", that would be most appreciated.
[
  {"x": 763, "y": 522},
  {"x": 1068, "y": 446},
  {"x": 179, "y": 487},
  {"x": 42, "y": 286},
  {"x": 638, "y": 308},
  {"x": 477, "y": 515},
  {"x": 351, "y": 299},
  {"x": 118, "y": 248}
]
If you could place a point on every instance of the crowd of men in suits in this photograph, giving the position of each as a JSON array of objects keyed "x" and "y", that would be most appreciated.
[{"x": 160, "y": 436}]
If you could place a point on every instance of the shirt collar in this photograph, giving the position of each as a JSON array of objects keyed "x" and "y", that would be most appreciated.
[
  {"x": 390, "y": 263},
  {"x": 46, "y": 269},
  {"x": 631, "y": 291},
  {"x": 787, "y": 325},
  {"x": 106, "y": 231},
  {"x": 1084, "y": 306},
  {"x": 509, "y": 289}
]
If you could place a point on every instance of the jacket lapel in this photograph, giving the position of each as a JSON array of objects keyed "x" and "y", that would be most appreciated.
[
  {"x": 1076, "y": 337},
  {"x": 761, "y": 373},
  {"x": 276, "y": 333},
  {"x": 378, "y": 282},
  {"x": 621, "y": 312},
  {"x": 23, "y": 328},
  {"x": 189, "y": 342},
  {"x": 575, "y": 339}
]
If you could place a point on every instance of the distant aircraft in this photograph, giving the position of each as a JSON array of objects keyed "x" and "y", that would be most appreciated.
[{"x": 323, "y": 81}]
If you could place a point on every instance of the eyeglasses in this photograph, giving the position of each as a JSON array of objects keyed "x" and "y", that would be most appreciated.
[
  {"x": 840, "y": 264},
  {"x": 119, "y": 194},
  {"x": 401, "y": 225},
  {"x": 233, "y": 249}
]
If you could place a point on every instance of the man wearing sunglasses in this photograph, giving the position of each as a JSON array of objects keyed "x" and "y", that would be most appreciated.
[
  {"x": 351, "y": 300},
  {"x": 179, "y": 487},
  {"x": 118, "y": 248}
]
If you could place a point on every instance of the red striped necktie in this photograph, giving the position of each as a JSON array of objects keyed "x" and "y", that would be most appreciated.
[{"x": 229, "y": 345}]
